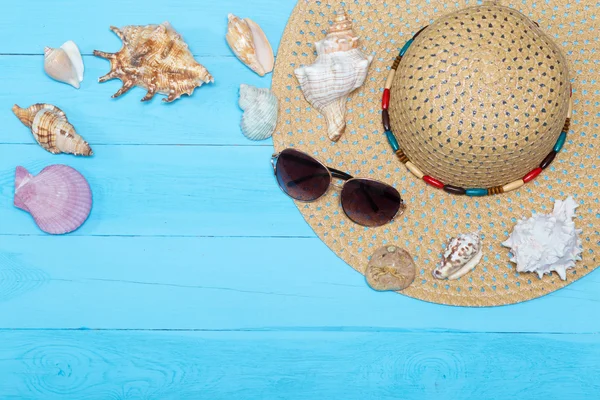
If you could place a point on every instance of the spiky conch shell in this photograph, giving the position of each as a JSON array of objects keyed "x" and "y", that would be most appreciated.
[
  {"x": 59, "y": 198},
  {"x": 156, "y": 58},
  {"x": 64, "y": 64},
  {"x": 340, "y": 68},
  {"x": 545, "y": 243},
  {"x": 250, "y": 44},
  {"x": 260, "y": 112},
  {"x": 52, "y": 130}
]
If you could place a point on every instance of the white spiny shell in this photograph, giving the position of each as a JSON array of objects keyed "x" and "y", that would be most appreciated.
[
  {"x": 462, "y": 254},
  {"x": 547, "y": 242},
  {"x": 64, "y": 64},
  {"x": 260, "y": 112},
  {"x": 250, "y": 44},
  {"x": 340, "y": 68}
]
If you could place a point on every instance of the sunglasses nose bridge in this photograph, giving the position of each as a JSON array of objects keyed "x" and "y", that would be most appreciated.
[{"x": 337, "y": 186}]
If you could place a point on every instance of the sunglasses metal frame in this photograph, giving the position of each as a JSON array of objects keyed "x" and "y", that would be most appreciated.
[{"x": 336, "y": 173}]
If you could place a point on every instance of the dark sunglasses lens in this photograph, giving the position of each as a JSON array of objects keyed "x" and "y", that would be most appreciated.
[
  {"x": 370, "y": 203},
  {"x": 301, "y": 176}
]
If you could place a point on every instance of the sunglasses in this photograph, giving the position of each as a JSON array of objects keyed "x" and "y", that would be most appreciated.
[{"x": 365, "y": 201}]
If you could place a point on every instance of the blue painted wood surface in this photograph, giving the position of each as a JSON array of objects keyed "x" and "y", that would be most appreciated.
[{"x": 196, "y": 278}]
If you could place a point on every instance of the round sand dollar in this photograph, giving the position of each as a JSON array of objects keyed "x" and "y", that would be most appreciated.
[
  {"x": 390, "y": 268},
  {"x": 480, "y": 97}
]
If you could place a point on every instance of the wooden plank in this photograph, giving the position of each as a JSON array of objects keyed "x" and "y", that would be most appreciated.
[
  {"x": 239, "y": 283},
  {"x": 210, "y": 116},
  {"x": 378, "y": 365},
  {"x": 34, "y": 24},
  {"x": 165, "y": 190}
]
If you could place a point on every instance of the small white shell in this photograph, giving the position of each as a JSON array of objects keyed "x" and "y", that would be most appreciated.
[
  {"x": 462, "y": 254},
  {"x": 547, "y": 242},
  {"x": 75, "y": 56},
  {"x": 339, "y": 69},
  {"x": 64, "y": 64},
  {"x": 260, "y": 112},
  {"x": 250, "y": 44}
]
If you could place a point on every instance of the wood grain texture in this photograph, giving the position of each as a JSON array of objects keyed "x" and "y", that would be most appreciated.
[
  {"x": 190, "y": 232},
  {"x": 238, "y": 283},
  {"x": 34, "y": 24},
  {"x": 164, "y": 190},
  {"x": 241, "y": 365},
  {"x": 210, "y": 116}
]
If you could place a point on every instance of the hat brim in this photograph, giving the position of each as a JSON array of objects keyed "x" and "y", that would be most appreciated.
[{"x": 433, "y": 216}]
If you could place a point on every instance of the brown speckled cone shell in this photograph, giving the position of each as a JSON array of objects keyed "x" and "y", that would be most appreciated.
[
  {"x": 433, "y": 216},
  {"x": 156, "y": 58}
]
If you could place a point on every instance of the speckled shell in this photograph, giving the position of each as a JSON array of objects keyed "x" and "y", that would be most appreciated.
[
  {"x": 462, "y": 254},
  {"x": 156, "y": 58},
  {"x": 260, "y": 112},
  {"x": 52, "y": 130},
  {"x": 390, "y": 268},
  {"x": 340, "y": 68},
  {"x": 250, "y": 44}
]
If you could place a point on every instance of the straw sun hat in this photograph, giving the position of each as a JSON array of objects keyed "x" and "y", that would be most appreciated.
[{"x": 498, "y": 101}]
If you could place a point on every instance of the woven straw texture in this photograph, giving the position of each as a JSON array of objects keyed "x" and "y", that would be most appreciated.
[
  {"x": 433, "y": 216},
  {"x": 480, "y": 97}
]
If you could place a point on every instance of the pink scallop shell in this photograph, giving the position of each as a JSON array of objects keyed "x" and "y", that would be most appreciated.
[{"x": 59, "y": 198}]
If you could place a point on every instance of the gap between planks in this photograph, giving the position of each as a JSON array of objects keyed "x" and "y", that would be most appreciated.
[{"x": 312, "y": 329}]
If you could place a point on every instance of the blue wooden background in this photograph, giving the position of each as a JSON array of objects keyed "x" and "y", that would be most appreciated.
[{"x": 196, "y": 278}]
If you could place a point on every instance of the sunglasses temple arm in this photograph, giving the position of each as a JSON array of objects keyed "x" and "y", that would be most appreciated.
[
  {"x": 307, "y": 178},
  {"x": 369, "y": 198},
  {"x": 336, "y": 173}
]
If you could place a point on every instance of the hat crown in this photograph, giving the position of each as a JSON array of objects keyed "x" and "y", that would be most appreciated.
[{"x": 480, "y": 98}]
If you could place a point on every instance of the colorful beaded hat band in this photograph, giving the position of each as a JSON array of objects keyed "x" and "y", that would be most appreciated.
[{"x": 437, "y": 183}]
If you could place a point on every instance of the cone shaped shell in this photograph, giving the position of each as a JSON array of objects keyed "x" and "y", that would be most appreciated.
[
  {"x": 64, "y": 64},
  {"x": 59, "y": 198},
  {"x": 156, "y": 58},
  {"x": 260, "y": 112},
  {"x": 250, "y": 44},
  {"x": 52, "y": 130}
]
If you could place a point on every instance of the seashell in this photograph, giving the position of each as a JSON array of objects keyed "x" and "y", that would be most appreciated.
[
  {"x": 547, "y": 242},
  {"x": 390, "y": 268},
  {"x": 59, "y": 198},
  {"x": 340, "y": 68},
  {"x": 64, "y": 64},
  {"x": 462, "y": 254},
  {"x": 156, "y": 58},
  {"x": 52, "y": 130},
  {"x": 260, "y": 112},
  {"x": 250, "y": 44}
]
